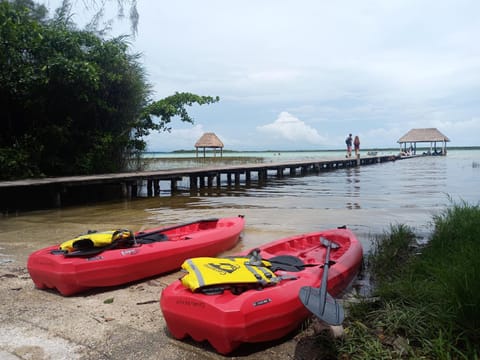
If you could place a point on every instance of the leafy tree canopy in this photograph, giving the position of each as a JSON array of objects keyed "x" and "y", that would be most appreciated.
[{"x": 72, "y": 102}]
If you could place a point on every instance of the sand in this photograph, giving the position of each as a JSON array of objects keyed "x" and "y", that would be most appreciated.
[{"x": 120, "y": 323}]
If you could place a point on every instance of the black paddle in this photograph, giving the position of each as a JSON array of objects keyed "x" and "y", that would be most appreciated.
[
  {"x": 318, "y": 300},
  {"x": 114, "y": 244},
  {"x": 141, "y": 233}
]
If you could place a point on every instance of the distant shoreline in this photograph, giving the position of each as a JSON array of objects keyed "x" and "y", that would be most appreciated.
[{"x": 301, "y": 151}]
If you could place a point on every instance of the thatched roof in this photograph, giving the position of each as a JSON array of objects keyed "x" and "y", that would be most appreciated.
[
  {"x": 423, "y": 135},
  {"x": 209, "y": 140}
]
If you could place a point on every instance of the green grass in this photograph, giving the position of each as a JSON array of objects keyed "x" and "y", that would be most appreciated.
[
  {"x": 426, "y": 299},
  {"x": 391, "y": 252}
]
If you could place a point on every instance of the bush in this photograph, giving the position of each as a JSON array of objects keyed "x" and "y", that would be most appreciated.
[{"x": 16, "y": 163}]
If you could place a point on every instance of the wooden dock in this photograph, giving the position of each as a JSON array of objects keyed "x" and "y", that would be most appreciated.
[{"x": 57, "y": 189}]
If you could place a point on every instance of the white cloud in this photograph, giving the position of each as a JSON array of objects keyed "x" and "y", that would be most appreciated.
[
  {"x": 456, "y": 130},
  {"x": 273, "y": 76},
  {"x": 372, "y": 67},
  {"x": 288, "y": 127}
]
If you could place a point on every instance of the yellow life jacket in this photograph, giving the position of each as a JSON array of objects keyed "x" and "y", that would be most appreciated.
[
  {"x": 94, "y": 240},
  {"x": 208, "y": 271}
]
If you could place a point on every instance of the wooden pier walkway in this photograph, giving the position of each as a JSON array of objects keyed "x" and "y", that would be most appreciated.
[{"x": 57, "y": 189}]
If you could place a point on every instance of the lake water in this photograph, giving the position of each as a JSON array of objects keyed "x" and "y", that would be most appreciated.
[{"x": 368, "y": 199}]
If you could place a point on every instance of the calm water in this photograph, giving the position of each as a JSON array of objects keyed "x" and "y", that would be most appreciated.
[{"x": 367, "y": 199}]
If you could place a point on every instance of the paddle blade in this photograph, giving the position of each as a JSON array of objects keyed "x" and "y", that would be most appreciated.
[{"x": 325, "y": 308}]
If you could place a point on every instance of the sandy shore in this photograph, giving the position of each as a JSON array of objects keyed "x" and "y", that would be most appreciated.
[{"x": 120, "y": 323}]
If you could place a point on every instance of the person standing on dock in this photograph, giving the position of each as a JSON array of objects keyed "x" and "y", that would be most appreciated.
[
  {"x": 348, "y": 141},
  {"x": 356, "y": 145}
]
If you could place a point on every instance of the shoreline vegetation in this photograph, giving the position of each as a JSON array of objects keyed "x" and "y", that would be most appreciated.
[{"x": 425, "y": 297}]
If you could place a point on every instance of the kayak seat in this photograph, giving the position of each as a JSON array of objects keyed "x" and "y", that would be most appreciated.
[
  {"x": 286, "y": 263},
  {"x": 280, "y": 262},
  {"x": 150, "y": 238}
]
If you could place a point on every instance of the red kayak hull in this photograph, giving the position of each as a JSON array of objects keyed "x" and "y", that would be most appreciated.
[
  {"x": 228, "y": 320},
  {"x": 71, "y": 275}
]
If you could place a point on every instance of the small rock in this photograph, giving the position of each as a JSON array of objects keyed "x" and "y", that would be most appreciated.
[
  {"x": 401, "y": 345},
  {"x": 8, "y": 276},
  {"x": 335, "y": 331}
]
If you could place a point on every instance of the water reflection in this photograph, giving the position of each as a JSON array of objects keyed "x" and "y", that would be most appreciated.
[{"x": 352, "y": 177}]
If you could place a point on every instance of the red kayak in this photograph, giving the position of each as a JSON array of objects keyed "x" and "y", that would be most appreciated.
[
  {"x": 227, "y": 315},
  {"x": 147, "y": 253}
]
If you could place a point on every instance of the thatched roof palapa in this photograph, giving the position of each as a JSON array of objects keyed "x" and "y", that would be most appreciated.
[
  {"x": 209, "y": 140},
  {"x": 425, "y": 135}
]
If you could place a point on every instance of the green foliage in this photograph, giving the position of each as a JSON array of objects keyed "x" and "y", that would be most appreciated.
[
  {"x": 391, "y": 252},
  {"x": 13, "y": 162},
  {"x": 429, "y": 304},
  {"x": 451, "y": 260},
  {"x": 168, "y": 108},
  {"x": 72, "y": 102}
]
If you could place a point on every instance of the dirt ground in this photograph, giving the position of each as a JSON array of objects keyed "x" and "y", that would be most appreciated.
[{"x": 120, "y": 323}]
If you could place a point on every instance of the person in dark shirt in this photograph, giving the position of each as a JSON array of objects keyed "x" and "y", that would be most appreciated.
[{"x": 348, "y": 141}]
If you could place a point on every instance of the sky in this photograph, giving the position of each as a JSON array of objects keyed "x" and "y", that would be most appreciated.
[{"x": 301, "y": 75}]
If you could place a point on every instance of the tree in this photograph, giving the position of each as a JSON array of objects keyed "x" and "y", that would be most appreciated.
[
  {"x": 168, "y": 108},
  {"x": 99, "y": 8},
  {"x": 72, "y": 102}
]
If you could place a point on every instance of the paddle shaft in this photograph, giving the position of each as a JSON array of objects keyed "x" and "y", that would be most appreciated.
[
  {"x": 175, "y": 227},
  {"x": 323, "y": 288}
]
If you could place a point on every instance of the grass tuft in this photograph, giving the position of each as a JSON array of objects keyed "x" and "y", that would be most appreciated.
[{"x": 391, "y": 252}]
